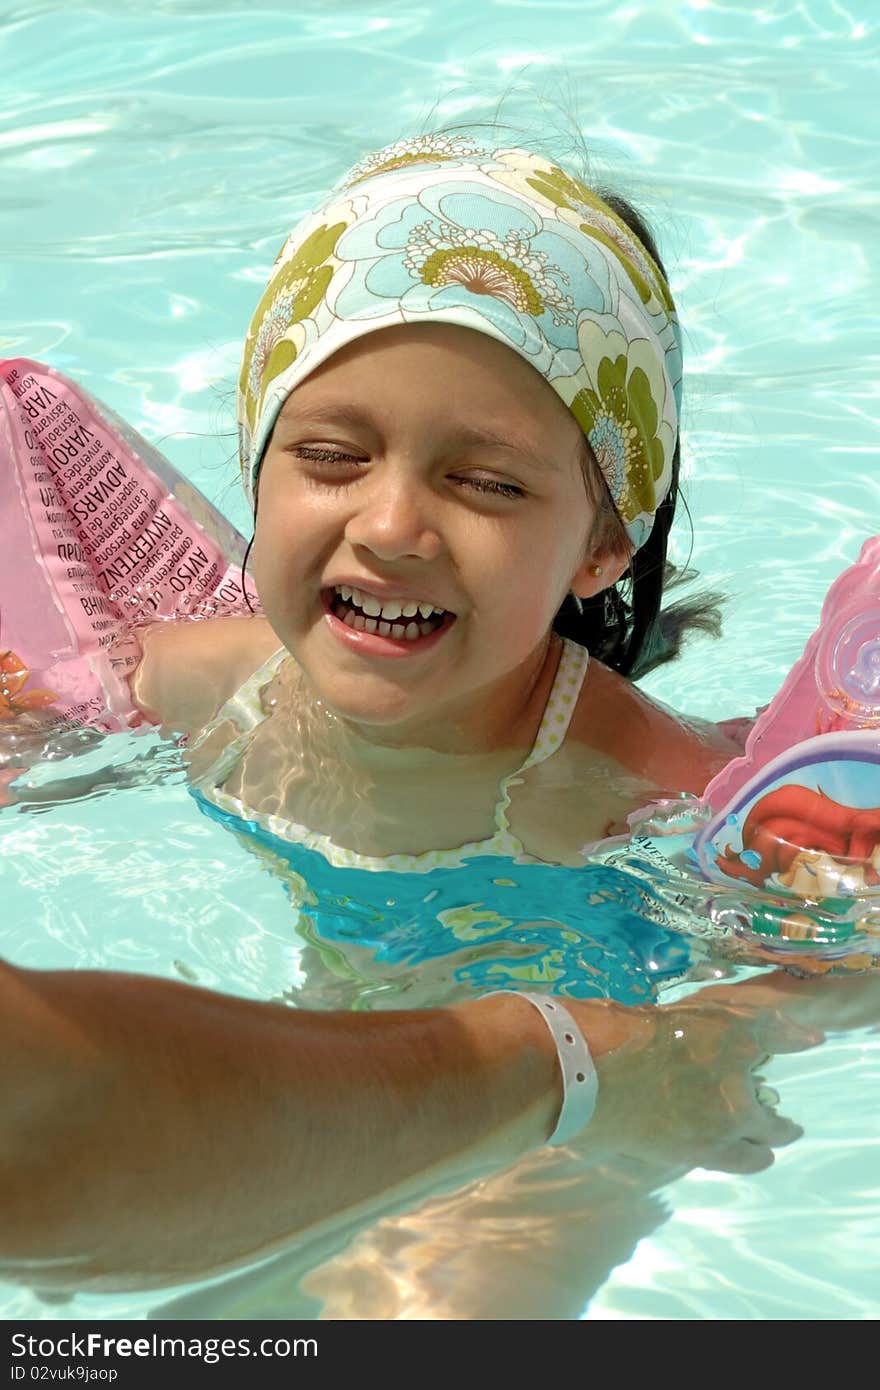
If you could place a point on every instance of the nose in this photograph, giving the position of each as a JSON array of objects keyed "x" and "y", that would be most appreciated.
[{"x": 396, "y": 517}]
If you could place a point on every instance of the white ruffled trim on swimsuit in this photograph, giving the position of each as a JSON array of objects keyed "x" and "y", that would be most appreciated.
[{"x": 246, "y": 711}]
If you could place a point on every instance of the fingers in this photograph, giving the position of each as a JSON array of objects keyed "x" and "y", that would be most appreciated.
[
  {"x": 742, "y": 1157},
  {"x": 767, "y": 1095},
  {"x": 689, "y": 1094},
  {"x": 776, "y": 1130},
  {"x": 776, "y": 1034},
  {"x": 753, "y": 1151}
]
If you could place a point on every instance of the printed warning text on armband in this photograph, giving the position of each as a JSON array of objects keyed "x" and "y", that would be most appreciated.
[
  {"x": 230, "y": 592},
  {"x": 94, "y": 498},
  {"x": 115, "y": 538},
  {"x": 85, "y": 711},
  {"x": 158, "y": 529},
  {"x": 41, "y": 397},
  {"x": 75, "y": 455},
  {"x": 111, "y": 540}
]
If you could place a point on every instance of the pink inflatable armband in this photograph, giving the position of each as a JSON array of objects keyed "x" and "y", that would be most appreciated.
[
  {"x": 100, "y": 535},
  {"x": 790, "y": 831},
  {"x": 800, "y": 810},
  {"x": 834, "y": 686}
]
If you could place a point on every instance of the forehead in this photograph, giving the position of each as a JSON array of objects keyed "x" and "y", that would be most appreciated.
[{"x": 435, "y": 369}]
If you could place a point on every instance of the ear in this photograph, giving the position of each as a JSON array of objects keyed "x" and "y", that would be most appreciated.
[{"x": 603, "y": 566}]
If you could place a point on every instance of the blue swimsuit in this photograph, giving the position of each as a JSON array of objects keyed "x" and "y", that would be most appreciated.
[{"x": 442, "y": 924}]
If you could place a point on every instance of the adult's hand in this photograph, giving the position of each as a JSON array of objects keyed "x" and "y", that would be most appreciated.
[{"x": 682, "y": 1091}]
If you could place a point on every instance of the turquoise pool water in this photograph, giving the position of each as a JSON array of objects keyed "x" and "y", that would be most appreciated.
[{"x": 149, "y": 168}]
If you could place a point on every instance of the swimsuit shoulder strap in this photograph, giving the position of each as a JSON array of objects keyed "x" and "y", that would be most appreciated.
[
  {"x": 244, "y": 710},
  {"x": 560, "y": 706},
  {"x": 561, "y": 703}
]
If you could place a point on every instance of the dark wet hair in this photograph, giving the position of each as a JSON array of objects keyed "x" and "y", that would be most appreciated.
[{"x": 625, "y": 626}]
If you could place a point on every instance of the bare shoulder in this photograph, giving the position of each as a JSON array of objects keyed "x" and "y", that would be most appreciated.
[
  {"x": 657, "y": 744},
  {"x": 190, "y": 668}
]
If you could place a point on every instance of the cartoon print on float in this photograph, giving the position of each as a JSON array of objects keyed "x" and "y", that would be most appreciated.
[
  {"x": 807, "y": 828},
  {"x": 803, "y": 840},
  {"x": 798, "y": 816},
  {"x": 790, "y": 831}
]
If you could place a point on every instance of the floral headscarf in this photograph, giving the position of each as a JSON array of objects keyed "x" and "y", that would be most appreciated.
[{"x": 501, "y": 241}]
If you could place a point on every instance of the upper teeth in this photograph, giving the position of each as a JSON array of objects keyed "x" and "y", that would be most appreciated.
[{"x": 390, "y": 610}]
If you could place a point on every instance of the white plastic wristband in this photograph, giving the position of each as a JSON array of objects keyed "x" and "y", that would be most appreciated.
[{"x": 580, "y": 1084}]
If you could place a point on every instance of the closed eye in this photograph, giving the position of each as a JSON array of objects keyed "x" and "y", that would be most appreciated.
[
  {"x": 492, "y": 485},
  {"x": 317, "y": 454}
]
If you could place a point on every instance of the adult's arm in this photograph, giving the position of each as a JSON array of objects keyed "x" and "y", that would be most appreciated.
[{"x": 151, "y": 1132}]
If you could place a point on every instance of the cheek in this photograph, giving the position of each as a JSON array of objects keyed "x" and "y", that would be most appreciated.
[
  {"x": 554, "y": 559},
  {"x": 524, "y": 595},
  {"x": 259, "y": 551},
  {"x": 270, "y": 561}
]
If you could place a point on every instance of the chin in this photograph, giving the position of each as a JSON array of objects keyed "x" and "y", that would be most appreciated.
[{"x": 376, "y": 714}]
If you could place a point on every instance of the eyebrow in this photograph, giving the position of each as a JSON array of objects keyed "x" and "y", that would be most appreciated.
[
  {"x": 359, "y": 419},
  {"x": 326, "y": 414}
]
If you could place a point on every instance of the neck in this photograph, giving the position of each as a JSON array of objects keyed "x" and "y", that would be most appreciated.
[{"x": 503, "y": 717}]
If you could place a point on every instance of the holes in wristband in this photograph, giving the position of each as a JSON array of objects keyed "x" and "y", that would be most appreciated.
[{"x": 579, "y": 1080}]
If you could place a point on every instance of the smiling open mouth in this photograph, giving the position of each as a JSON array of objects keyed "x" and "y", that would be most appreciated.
[{"x": 397, "y": 619}]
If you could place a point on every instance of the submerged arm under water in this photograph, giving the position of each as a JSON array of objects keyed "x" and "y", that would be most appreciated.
[{"x": 201, "y": 1132}]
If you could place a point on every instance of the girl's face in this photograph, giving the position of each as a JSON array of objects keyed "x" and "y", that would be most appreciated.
[{"x": 423, "y": 465}]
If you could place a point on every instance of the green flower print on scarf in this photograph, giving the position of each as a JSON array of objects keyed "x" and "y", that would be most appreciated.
[
  {"x": 620, "y": 419},
  {"x": 567, "y": 192},
  {"x": 293, "y": 292},
  {"x": 485, "y": 270}
]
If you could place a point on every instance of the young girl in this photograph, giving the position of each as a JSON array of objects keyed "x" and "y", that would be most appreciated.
[
  {"x": 458, "y": 417},
  {"x": 458, "y": 412}
]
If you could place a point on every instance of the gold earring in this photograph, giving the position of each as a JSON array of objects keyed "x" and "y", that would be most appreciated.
[{"x": 595, "y": 571}]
